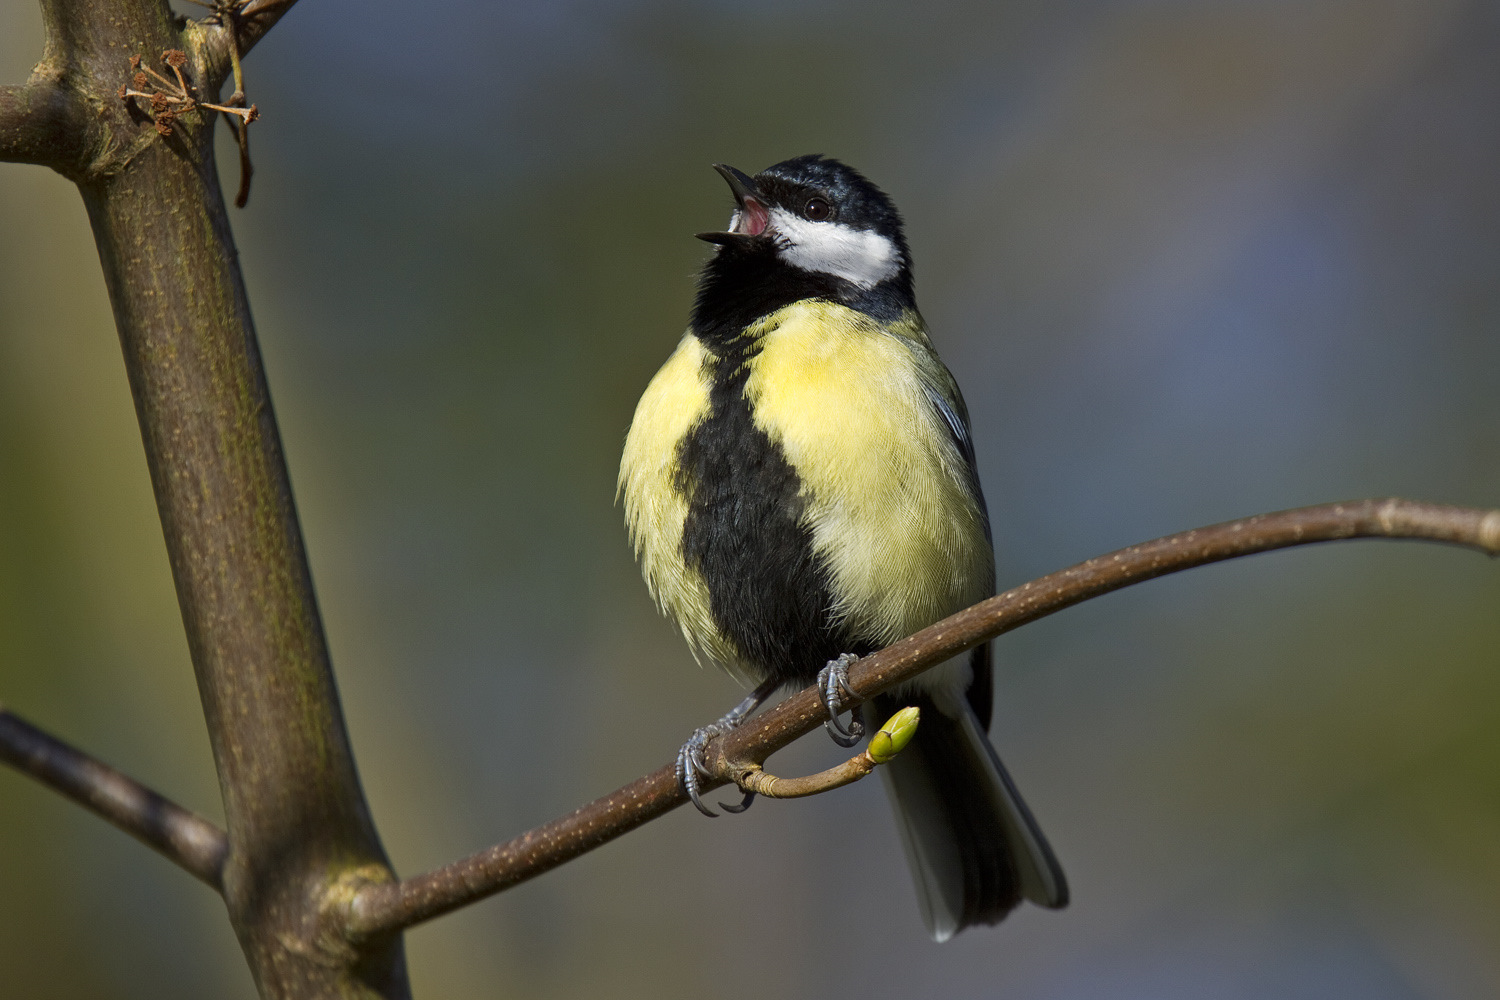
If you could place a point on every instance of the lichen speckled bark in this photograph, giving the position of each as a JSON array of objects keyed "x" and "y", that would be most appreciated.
[{"x": 299, "y": 831}]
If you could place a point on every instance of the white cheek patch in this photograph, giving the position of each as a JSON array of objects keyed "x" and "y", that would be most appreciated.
[{"x": 857, "y": 255}]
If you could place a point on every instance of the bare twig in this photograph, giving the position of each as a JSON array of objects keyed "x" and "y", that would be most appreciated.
[
  {"x": 247, "y": 169},
  {"x": 887, "y": 742},
  {"x": 243, "y": 115},
  {"x": 180, "y": 836},
  {"x": 229, "y": 16},
  {"x": 240, "y": 126},
  {"x": 754, "y": 778},
  {"x": 387, "y": 907}
]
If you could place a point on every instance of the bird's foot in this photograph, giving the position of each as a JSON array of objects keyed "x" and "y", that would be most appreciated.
[
  {"x": 833, "y": 681},
  {"x": 691, "y": 765}
]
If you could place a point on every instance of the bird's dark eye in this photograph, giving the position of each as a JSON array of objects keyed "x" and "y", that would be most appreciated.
[{"x": 816, "y": 209}]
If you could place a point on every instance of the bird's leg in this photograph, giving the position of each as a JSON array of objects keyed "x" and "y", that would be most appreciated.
[
  {"x": 833, "y": 681},
  {"x": 690, "y": 764}
]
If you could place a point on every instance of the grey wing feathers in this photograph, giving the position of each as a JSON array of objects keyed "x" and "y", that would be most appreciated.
[
  {"x": 958, "y": 426},
  {"x": 956, "y": 419}
]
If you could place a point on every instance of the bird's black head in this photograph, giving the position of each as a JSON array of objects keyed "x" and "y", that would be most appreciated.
[{"x": 809, "y": 227}]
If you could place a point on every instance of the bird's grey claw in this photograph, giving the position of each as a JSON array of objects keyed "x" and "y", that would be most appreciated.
[
  {"x": 690, "y": 762},
  {"x": 844, "y": 737},
  {"x": 834, "y": 682},
  {"x": 741, "y": 806},
  {"x": 690, "y": 765}
]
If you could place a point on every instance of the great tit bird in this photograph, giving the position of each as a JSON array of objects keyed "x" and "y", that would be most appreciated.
[{"x": 800, "y": 489}]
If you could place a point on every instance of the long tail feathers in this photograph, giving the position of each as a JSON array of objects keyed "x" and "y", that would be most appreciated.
[{"x": 974, "y": 849}]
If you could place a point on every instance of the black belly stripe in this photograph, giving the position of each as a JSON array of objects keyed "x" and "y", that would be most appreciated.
[{"x": 768, "y": 590}]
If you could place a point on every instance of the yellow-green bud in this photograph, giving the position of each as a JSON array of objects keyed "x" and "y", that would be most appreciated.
[{"x": 894, "y": 735}]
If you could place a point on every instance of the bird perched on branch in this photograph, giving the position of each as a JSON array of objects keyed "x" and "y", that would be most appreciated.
[{"x": 800, "y": 490}]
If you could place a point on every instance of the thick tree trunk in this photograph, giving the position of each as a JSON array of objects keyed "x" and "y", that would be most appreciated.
[
  {"x": 295, "y": 813},
  {"x": 300, "y": 835}
]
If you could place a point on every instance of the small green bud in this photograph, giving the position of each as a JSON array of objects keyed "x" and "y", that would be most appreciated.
[{"x": 894, "y": 735}]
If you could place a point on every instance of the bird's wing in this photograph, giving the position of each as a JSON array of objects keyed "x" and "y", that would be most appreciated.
[{"x": 948, "y": 402}]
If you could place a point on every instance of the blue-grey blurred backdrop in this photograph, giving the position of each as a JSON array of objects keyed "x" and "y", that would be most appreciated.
[{"x": 1189, "y": 259}]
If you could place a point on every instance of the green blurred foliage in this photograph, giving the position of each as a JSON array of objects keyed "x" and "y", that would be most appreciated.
[{"x": 1189, "y": 259}]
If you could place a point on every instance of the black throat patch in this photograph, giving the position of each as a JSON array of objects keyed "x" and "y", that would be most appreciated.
[
  {"x": 768, "y": 590},
  {"x": 747, "y": 280}
]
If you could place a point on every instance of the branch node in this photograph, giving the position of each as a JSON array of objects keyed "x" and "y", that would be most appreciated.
[
  {"x": 171, "y": 99},
  {"x": 892, "y": 738}
]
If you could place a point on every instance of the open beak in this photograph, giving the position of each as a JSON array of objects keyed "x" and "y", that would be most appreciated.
[{"x": 751, "y": 215}]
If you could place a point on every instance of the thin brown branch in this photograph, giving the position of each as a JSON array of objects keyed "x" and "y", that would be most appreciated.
[
  {"x": 754, "y": 778},
  {"x": 387, "y": 907},
  {"x": 181, "y": 836},
  {"x": 241, "y": 129},
  {"x": 887, "y": 742},
  {"x": 233, "y": 28}
]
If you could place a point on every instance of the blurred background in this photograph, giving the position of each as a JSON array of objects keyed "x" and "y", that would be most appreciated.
[{"x": 1190, "y": 261}]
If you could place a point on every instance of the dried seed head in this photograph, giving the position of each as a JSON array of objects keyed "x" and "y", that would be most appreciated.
[
  {"x": 139, "y": 81},
  {"x": 176, "y": 58},
  {"x": 135, "y": 62}
]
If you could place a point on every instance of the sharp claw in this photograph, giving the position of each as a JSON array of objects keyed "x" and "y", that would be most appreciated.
[
  {"x": 690, "y": 765},
  {"x": 844, "y": 738},
  {"x": 834, "y": 679},
  {"x": 742, "y": 806},
  {"x": 698, "y": 801},
  {"x": 691, "y": 784}
]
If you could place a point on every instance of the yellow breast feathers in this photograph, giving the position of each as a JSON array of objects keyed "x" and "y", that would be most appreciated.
[
  {"x": 655, "y": 507},
  {"x": 887, "y": 494},
  {"x": 890, "y": 505}
]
